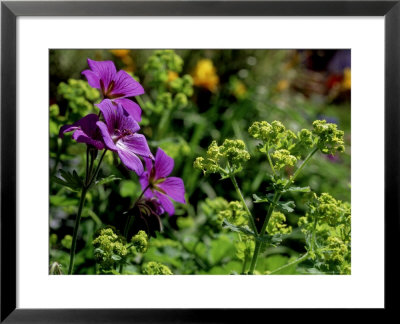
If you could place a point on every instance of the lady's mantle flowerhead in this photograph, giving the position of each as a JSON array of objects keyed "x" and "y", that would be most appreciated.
[
  {"x": 119, "y": 135},
  {"x": 114, "y": 85},
  {"x": 85, "y": 131},
  {"x": 155, "y": 179}
]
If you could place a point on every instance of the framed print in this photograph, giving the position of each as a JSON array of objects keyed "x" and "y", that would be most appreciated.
[{"x": 182, "y": 171}]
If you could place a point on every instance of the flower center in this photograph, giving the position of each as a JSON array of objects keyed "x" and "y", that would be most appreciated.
[{"x": 118, "y": 134}]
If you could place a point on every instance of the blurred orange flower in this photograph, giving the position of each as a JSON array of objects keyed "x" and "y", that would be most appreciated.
[
  {"x": 120, "y": 52},
  {"x": 205, "y": 75},
  {"x": 346, "y": 83}
]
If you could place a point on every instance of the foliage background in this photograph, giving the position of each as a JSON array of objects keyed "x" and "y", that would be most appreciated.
[{"x": 232, "y": 89}]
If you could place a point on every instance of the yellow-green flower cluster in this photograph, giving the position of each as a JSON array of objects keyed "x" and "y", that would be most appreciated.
[
  {"x": 155, "y": 268},
  {"x": 234, "y": 213},
  {"x": 330, "y": 139},
  {"x": 327, "y": 209},
  {"x": 277, "y": 225},
  {"x": 140, "y": 242},
  {"x": 283, "y": 158},
  {"x": 229, "y": 156},
  {"x": 212, "y": 209},
  {"x": 245, "y": 247},
  {"x": 306, "y": 138},
  {"x": 79, "y": 94},
  {"x": 268, "y": 133},
  {"x": 110, "y": 248},
  {"x": 161, "y": 62}
]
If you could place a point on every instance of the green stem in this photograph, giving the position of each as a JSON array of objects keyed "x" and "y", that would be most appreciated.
[
  {"x": 76, "y": 227},
  {"x": 97, "y": 169},
  {"x": 252, "y": 223},
  {"x": 309, "y": 156},
  {"x": 258, "y": 246},
  {"x": 246, "y": 257},
  {"x": 269, "y": 160},
  {"x": 301, "y": 259}
]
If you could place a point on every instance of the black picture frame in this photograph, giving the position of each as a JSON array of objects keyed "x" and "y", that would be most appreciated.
[{"x": 10, "y": 10}]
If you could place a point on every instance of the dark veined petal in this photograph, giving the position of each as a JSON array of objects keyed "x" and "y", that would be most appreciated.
[
  {"x": 105, "y": 70},
  {"x": 174, "y": 188},
  {"x": 163, "y": 164},
  {"x": 126, "y": 86},
  {"x": 66, "y": 129},
  {"x": 131, "y": 161},
  {"x": 132, "y": 108},
  {"x": 82, "y": 137},
  {"x": 92, "y": 78},
  {"x": 88, "y": 124},
  {"x": 148, "y": 163},
  {"x": 136, "y": 144},
  {"x": 166, "y": 203},
  {"x": 115, "y": 117},
  {"x": 106, "y": 136}
]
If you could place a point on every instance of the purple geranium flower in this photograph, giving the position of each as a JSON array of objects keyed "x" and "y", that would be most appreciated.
[
  {"x": 85, "y": 131},
  {"x": 158, "y": 185},
  {"x": 119, "y": 135},
  {"x": 114, "y": 85}
]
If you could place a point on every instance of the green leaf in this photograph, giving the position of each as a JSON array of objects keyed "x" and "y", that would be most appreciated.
[
  {"x": 116, "y": 257},
  {"x": 238, "y": 229},
  {"x": 297, "y": 189},
  {"x": 287, "y": 207},
  {"x": 70, "y": 180},
  {"x": 268, "y": 198},
  {"x": 108, "y": 179}
]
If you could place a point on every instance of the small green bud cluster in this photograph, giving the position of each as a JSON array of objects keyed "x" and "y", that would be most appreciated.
[
  {"x": 212, "y": 208},
  {"x": 67, "y": 241},
  {"x": 234, "y": 214},
  {"x": 306, "y": 138},
  {"x": 155, "y": 268},
  {"x": 140, "y": 241},
  {"x": 283, "y": 158},
  {"x": 162, "y": 61},
  {"x": 53, "y": 239},
  {"x": 173, "y": 91},
  {"x": 229, "y": 156},
  {"x": 276, "y": 224},
  {"x": 330, "y": 139},
  {"x": 245, "y": 247},
  {"x": 331, "y": 221},
  {"x": 79, "y": 94},
  {"x": 268, "y": 133},
  {"x": 110, "y": 248}
]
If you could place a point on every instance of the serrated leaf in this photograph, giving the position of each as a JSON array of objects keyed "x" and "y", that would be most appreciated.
[
  {"x": 287, "y": 207},
  {"x": 108, "y": 179},
  {"x": 238, "y": 229},
  {"x": 70, "y": 180},
  {"x": 297, "y": 189},
  {"x": 258, "y": 200}
]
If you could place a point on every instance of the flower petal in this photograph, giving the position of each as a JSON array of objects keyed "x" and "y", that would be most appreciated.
[
  {"x": 92, "y": 78},
  {"x": 105, "y": 70},
  {"x": 174, "y": 188},
  {"x": 166, "y": 203},
  {"x": 132, "y": 108},
  {"x": 106, "y": 136},
  {"x": 136, "y": 144},
  {"x": 82, "y": 137},
  {"x": 126, "y": 86},
  {"x": 163, "y": 164},
  {"x": 131, "y": 161},
  {"x": 144, "y": 182},
  {"x": 66, "y": 129}
]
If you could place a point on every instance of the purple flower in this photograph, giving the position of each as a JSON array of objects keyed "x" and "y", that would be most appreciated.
[
  {"x": 119, "y": 135},
  {"x": 85, "y": 131},
  {"x": 163, "y": 188},
  {"x": 114, "y": 85}
]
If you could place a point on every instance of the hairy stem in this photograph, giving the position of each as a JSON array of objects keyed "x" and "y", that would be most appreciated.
[
  {"x": 75, "y": 234},
  {"x": 269, "y": 160},
  {"x": 252, "y": 223},
  {"x": 301, "y": 259}
]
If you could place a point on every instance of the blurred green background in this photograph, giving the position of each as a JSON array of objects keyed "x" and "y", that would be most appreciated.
[{"x": 222, "y": 92}]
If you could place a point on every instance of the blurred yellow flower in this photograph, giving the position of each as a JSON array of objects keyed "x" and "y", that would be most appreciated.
[
  {"x": 205, "y": 75},
  {"x": 346, "y": 83},
  {"x": 282, "y": 85},
  {"x": 120, "y": 52},
  {"x": 172, "y": 76}
]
